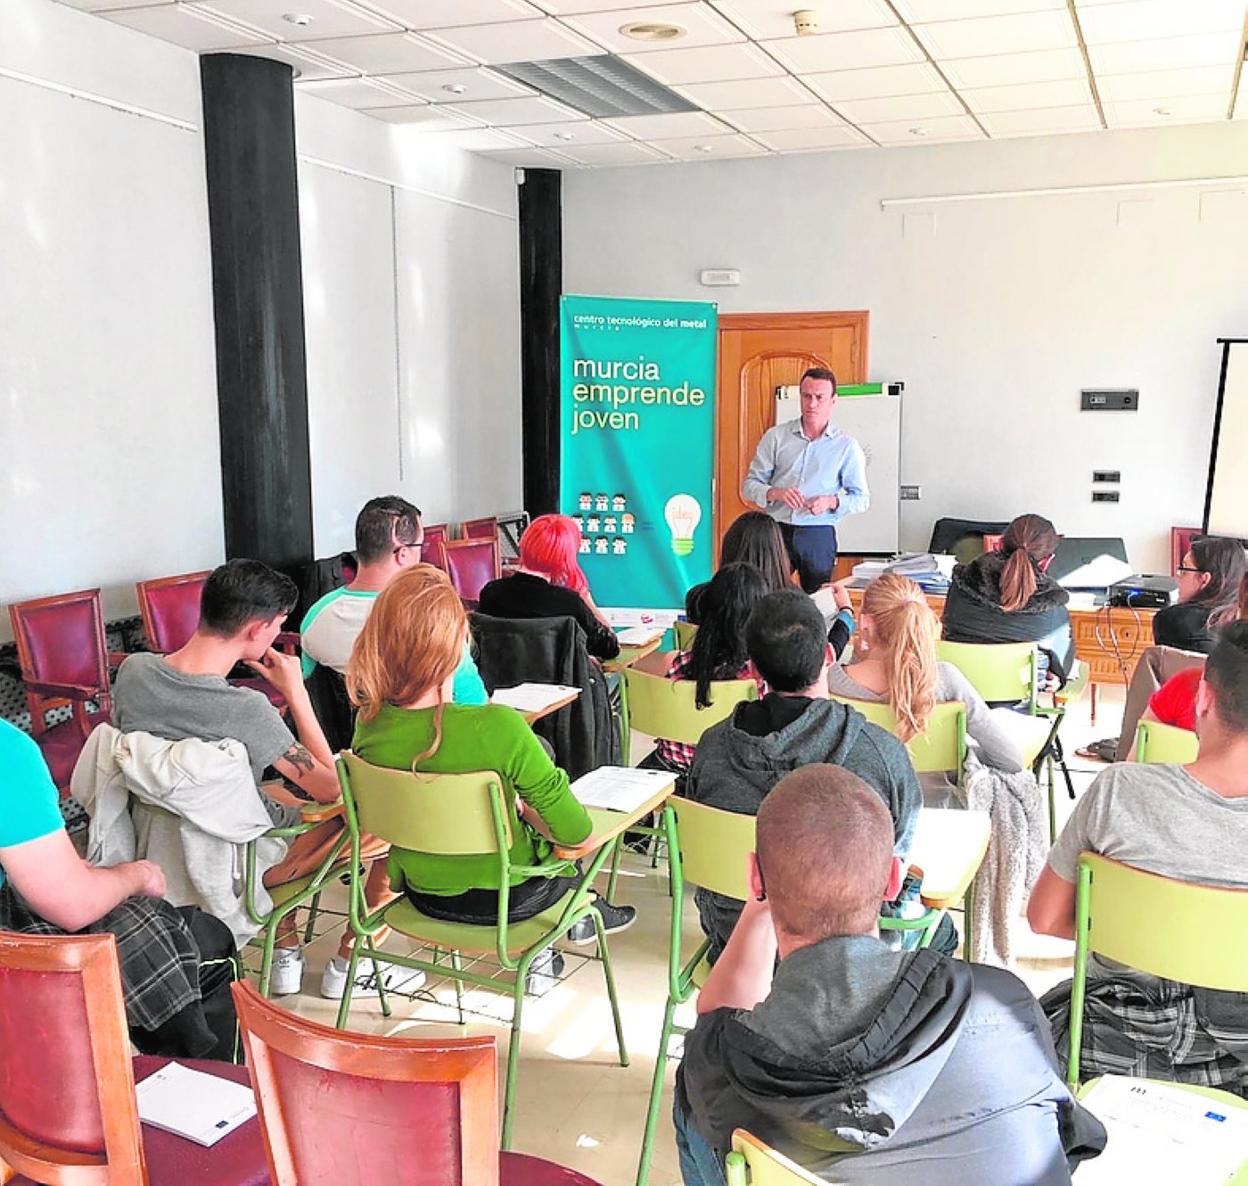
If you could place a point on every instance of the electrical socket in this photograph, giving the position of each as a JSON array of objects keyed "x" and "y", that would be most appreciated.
[
  {"x": 911, "y": 493},
  {"x": 1104, "y": 495},
  {"x": 1106, "y": 475}
]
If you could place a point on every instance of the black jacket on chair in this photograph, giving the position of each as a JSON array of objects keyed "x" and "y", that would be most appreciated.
[{"x": 511, "y": 651}]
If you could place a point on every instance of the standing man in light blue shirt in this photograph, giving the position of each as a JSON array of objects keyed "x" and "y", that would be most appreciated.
[{"x": 808, "y": 476}]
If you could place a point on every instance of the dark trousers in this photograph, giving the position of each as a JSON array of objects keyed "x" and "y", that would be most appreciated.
[
  {"x": 812, "y": 552},
  {"x": 479, "y": 907}
]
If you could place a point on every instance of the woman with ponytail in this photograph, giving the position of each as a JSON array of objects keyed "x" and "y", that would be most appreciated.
[
  {"x": 1006, "y": 596},
  {"x": 400, "y": 678},
  {"x": 895, "y": 663}
]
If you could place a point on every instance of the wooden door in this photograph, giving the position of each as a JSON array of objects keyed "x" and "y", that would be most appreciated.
[{"x": 758, "y": 353}]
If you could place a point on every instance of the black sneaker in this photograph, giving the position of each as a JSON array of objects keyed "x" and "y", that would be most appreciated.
[{"x": 614, "y": 919}]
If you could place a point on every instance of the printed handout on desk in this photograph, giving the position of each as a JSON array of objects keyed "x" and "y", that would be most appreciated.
[
  {"x": 620, "y": 788},
  {"x": 638, "y": 636},
  {"x": 193, "y": 1104},
  {"x": 1160, "y": 1134},
  {"x": 533, "y": 697}
]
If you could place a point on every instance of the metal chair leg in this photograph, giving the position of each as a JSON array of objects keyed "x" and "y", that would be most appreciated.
[
  {"x": 513, "y": 1051},
  {"x": 345, "y": 1006},
  {"x": 314, "y": 909},
  {"x": 381, "y": 985},
  {"x": 656, "y": 1095},
  {"x": 615, "y": 868},
  {"x": 459, "y": 987},
  {"x": 607, "y": 971}
]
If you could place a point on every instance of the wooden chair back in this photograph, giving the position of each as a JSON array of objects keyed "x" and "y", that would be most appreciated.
[
  {"x": 351, "y": 1109},
  {"x": 435, "y": 534},
  {"x": 68, "y": 1113},
  {"x": 169, "y": 607},
  {"x": 471, "y": 564},
  {"x": 486, "y": 528}
]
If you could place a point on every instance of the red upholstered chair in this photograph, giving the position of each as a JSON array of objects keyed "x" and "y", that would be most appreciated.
[
  {"x": 347, "y": 1109},
  {"x": 68, "y": 1113},
  {"x": 170, "y": 609},
  {"x": 471, "y": 564},
  {"x": 435, "y": 535},
  {"x": 479, "y": 528},
  {"x": 61, "y": 651},
  {"x": 992, "y": 543}
]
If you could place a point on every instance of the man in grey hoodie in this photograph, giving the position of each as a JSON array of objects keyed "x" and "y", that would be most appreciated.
[
  {"x": 860, "y": 1063},
  {"x": 739, "y": 760}
]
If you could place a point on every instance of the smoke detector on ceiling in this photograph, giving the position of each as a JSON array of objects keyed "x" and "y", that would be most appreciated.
[
  {"x": 652, "y": 31},
  {"x": 806, "y": 22},
  {"x": 297, "y": 18}
]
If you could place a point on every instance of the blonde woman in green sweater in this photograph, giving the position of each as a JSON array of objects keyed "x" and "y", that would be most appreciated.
[{"x": 400, "y": 677}]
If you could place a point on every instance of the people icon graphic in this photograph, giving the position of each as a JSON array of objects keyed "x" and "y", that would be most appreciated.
[
  {"x": 593, "y": 523},
  {"x": 628, "y": 522},
  {"x": 600, "y": 545},
  {"x": 584, "y": 546},
  {"x": 586, "y": 502},
  {"x": 601, "y": 502},
  {"x": 619, "y": 546},
  {"x": 609, "y": 524},
  {"x": 619, "y": 502}
]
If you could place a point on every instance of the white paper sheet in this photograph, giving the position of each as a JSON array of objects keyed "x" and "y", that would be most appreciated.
[
  {"x": 638, "y": 636},
  {"x": 532, "y": 697},
  {"x": 620, "y": 788},
  {"x": 194, "y": 1104},
  {"x": 1160, "y": 1135}
]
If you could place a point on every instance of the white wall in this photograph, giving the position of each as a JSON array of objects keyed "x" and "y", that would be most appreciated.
[
  {"x": 994, "y": 313},
  {"x": 107, "y": 375}
]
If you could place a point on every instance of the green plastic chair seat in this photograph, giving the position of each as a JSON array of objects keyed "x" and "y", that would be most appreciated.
[
  {"x": 403, "y": 917},
  {"x": 998, "y": 671},
  {"x": 1165, "y": 745},
  {"x": 940, "y": 747}
]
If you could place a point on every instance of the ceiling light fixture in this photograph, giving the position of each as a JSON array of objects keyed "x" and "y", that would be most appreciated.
[
  {"x": 918, "y": 131},
  {"x": 806, "y": 22},
  {"x": 1162, "y": 111},
  {"x": 703, "y": 148},
  {"x": 297, "y": 18},
  {"x": 652, "y": 31},
  {"x": 565, "y": 135},
  {"x": 455, "y": 88}
]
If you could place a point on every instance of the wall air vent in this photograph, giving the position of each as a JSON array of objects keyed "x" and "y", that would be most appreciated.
[{"x": 600, "y": 86}]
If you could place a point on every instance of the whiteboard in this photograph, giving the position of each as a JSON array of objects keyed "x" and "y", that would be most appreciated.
[{"x": 874, "y": 421}]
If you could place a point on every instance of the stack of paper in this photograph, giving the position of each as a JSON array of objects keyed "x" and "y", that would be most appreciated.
[
  {"x": 620, "y": 788},
  {"x": 193, "y": 1104},
  {"x": 638, "y": 636},
  {"x": 533, "y": 697}
]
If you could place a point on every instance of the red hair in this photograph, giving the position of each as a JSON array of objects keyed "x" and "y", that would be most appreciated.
[{"x": 549, "y": 546}]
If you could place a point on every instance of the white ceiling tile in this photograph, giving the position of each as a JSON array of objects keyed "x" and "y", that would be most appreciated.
[
  {"x": 812, "y": 139},
  {"x": 200, "y": 31},
  {"x": 476, "y": 83},
  {"x": 919, "y": 11},
  {"x": 387, "y": 53},
  {"x": 671, "y": 126},
  {"x": 506, "y": 113},
  {"x": 327, "y": 18},
  {"x": 709, "y": 148},
  {"x": 515, "y": 41},
  {"x": 1132, "y": 113},
  {"x": 917, "y": 78},
  {"x": 925, "y": 131},
  {"x": 874, "y": 111},
  {"x": 425, "y": 116},
  {"x": 1042, "y": 121},
  {"x": 1015, "y": 33},
  {"x": 1142, "y": 20},
  {"x": 702, "y": 25},
  {"x": 359, "y": 93},
  {"x": 308, "y": 66},
  {"x": 563, "y": 136},
  {"x": 1070, "y": 92},
  {"x": 626, "y": 153},
  {"x": 528, "y": 158},
  {"x": 439, "y": 14},
  {"x": 774, "y": 119},
  {"x": 477, "y": 139},
  {"x": 1165, "y": 53},
  {"x": 1045, "y": 65},
  {"x": 747, "y": 92},
  {"x": 573, "y": 7},
  {"x": 764, "y": 19},
  {"x": 101, "y": 5},
  {"x": 1158, "y": 84},
  {"x": 1241, "y": 103},
  {"x": 712, "y": 63},
  {"x": 846, "y": 51}
]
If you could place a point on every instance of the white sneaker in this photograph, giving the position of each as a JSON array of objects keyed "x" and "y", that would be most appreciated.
[
  {"x": 393, "y": 977},
  {"x": 286, "y": 973}
]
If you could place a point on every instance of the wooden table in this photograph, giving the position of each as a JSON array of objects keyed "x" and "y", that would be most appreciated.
[
  {"x": 1108, "y": 638},
  {"x": 609, "y": 825},
  {"x": 948, "y": 848},
  {"x": 536, "y": 714},
  {"x": 629, "y": 655}
]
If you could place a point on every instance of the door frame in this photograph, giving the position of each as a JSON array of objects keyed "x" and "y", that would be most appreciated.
[{"x": 804, "y": 320}]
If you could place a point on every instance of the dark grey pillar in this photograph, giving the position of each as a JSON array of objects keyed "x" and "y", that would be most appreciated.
[{"x": 257, "y": 294}]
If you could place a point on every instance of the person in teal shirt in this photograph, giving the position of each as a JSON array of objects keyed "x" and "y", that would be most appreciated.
[{"x": 388, "y": 538}]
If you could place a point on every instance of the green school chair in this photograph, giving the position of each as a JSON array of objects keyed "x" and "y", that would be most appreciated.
[
  {"x": 1174, "y": 929},
  {"x": 1165, "y": 744},
  {"x": 940, "y": 747},
  {"x": 684, "y": 634},
  {"x": 751, "y": 1163},
  {"x": 460, "y": 815}
]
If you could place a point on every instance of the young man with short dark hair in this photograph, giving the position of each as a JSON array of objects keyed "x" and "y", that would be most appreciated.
[
  {"x": 186, "y": 694},
  {"x": 862, "y": 1063},
  {"x": 1189, "y": 823},
  {"x": 738, "y": 761}
]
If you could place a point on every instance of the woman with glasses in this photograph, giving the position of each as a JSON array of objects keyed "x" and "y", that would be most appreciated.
[{"x": 1209, "y": 580}]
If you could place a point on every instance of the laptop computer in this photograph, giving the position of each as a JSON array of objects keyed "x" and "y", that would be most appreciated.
[{"x": 1089, "y": 563}]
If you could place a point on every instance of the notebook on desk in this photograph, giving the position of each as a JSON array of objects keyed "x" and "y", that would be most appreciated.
[
  {"x": 533, "y": 697},
  {"x": 620, "y": 788},
  {"x": 194, "y": 1104}
]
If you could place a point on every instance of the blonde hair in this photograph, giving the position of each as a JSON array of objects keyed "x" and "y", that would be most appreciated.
[
  {"x": 411, "y": 643},
  {"x": 905, "y": 633}
]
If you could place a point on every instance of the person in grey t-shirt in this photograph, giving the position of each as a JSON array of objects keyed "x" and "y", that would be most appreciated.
[{"x": 1189, "y": 823}]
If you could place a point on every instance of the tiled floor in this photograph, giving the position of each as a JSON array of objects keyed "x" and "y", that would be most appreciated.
[{"x": 575, "y": 1104}]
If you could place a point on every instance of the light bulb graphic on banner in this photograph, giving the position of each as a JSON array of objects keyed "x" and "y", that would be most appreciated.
[{"x": 683, "y": 513}]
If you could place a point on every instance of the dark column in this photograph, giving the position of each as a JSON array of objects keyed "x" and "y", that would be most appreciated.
[
  {"x": 541, "y": 285},
  {"x": 257, "y": 295}
]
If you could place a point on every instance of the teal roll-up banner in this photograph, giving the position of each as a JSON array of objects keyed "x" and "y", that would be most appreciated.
[{"x": 637, "y": 393}]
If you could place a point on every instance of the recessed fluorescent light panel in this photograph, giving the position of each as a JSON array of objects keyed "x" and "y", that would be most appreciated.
[{"x": 599, "y": 86}]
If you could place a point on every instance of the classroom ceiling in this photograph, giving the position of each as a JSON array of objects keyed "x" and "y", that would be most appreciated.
[{"x": 874, "y": 72}]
